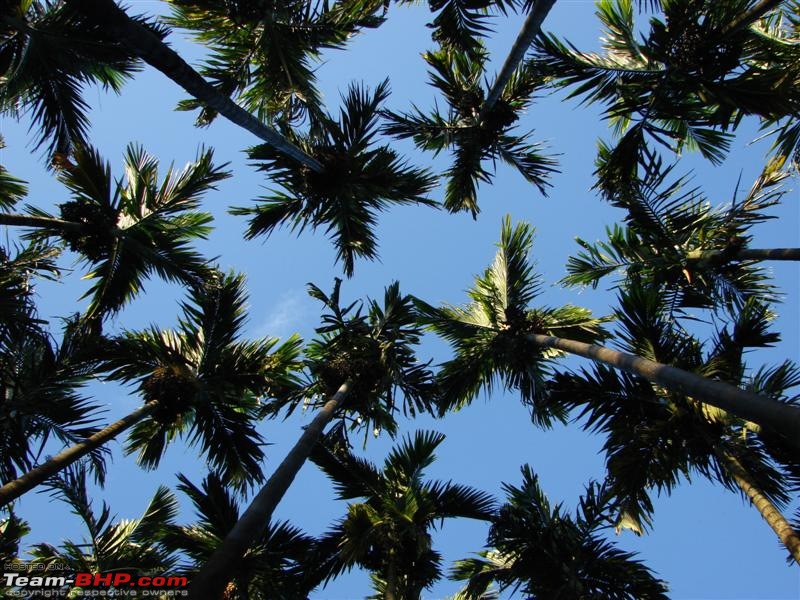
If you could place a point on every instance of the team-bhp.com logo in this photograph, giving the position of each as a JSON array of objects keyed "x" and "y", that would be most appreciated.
[{"x": 85, "y": 584}]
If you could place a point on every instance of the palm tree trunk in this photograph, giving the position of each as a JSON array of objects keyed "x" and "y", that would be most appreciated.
[
  {"x": 530, "y": 29},
  {"x": 746, "y": 254},
  {"x": 390, "y": 593},
  {"x": 765, "y": 411},
  {"x": 212, "y": 578},
  {"x": 768, "y": 254},
  {"x": 147, "y": 46},
  {"x": 41, "y": 222},
  {"x": 785, "y": 532},
  {"x": 14, "y": 489}
]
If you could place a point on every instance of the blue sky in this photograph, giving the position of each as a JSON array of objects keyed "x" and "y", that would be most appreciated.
[{"x": 706, "y": 542}]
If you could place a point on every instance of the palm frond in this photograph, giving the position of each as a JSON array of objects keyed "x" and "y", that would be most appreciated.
[
  {"x": 12, "y": 189},
  {"x": 456, "y": 500},
  {"x": 460, "y": 24},
  {"x": 686, "y": 84},
  {"x": 12, "y": 530},
  {"x": 352, "y": 476},
  {"x": 674, "y": 240},
  {"x": 265, "y": 59}
]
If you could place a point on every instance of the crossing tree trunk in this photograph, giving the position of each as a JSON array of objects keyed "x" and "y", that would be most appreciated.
[{"x": 210, "y": 581}]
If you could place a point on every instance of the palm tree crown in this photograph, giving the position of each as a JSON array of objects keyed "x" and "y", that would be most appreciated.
[
  {"x": 655, "y": 436},
  {"x": 544, "y": 552},
  {"x": 474, "y": 135},
  {"x": 206, "y": 381},
  {"x": 375, "y": 351},
  {"x": 489, "y": 334},
  {"x": 388, "y": 532},
  {"x": 357, "y": 179},
  {"x": 676, "y": 242},
  {"x": 687, "y": 83},
  {"x": 130, "y": 230}
]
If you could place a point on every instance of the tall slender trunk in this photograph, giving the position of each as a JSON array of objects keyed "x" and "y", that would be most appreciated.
[
  {"x": 147, "y": 46},
  {"x": 768, "y": 254},
  {"x": 212, "y": 578},
  {"x": 390, "y": 592},
  {"x": 764, "y": 411},
  {"x": 530, "y": 29},
  {"x": 40, "y": 222},
  {"x": 783, "y": 529},
  {"x": 14, "y": 489},
  {"x": 746, "y": 254}
]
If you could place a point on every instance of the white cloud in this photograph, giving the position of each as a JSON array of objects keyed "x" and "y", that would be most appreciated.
[{"x": 291, "y": 314}]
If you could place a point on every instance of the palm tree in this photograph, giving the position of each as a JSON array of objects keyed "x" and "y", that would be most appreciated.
[
  {"x": 129, "y": 545},
  {"x": 472, "y": 129},
  {"x": 544, "y": 552},
  {"x": 654, "y": 436},
  {"x": 702, "y": 67},
  {"x": 40, "y": 394},
  {"x": 262, "y": 54},
  {"x": 486, "y": 333},
  {"x": 479, "y": 121},
  {"x": 200, "y": 382},
  {"x": 676, "y": 242},
  {"x": 498, "y": 336},
  {"x": 357, "y": 179},
  {"x": 142, "y": 42},
  {"x": 128, "y": 230},
  {"x": 360, "y": 364},
  {"x": 277, "y": 565},
  {"x": 49, "y": 52},
  {"x": 388, "y": 532}
]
